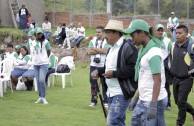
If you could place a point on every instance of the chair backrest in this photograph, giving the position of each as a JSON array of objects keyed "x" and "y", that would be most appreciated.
[
  {"x": 69, "y": 61},
  {"x": 7, "y": 67}
]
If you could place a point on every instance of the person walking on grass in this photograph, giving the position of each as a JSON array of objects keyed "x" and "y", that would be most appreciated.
[
  {"x": 166, "y": 45},
  {"x": 98, "y": 48},
  {"x": 118, "y": 72},
  {"x": 149, "y": 110},
  {"x": 173, "y": 23},
  {"x": 182, "y": 69},
  {"x": 41, "y": 63}
]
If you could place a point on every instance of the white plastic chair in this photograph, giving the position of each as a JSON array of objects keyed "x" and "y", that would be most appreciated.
[
  {"x": 35, "y": 84},
  {"x": 7, "y": 66},
  {"x": 56, "y": 62},
  {"x": 69, "y": 61}
]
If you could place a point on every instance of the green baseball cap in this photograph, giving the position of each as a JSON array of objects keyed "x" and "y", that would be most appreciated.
[
  {"x": 38, "y": 30},
  {"x": 31, "y": 33},
  {"x": 137, "y": 24},
  {"x": 159, "y": 26},
  {"x": 18, "y": 46}
]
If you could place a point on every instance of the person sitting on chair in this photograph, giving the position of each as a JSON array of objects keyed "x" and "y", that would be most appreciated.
[
  {"x": 20, "y": 66},
  {"x": 81, "y": 34}
]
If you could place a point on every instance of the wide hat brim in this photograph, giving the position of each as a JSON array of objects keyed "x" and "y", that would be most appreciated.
[{"x": 114, "y": 25}]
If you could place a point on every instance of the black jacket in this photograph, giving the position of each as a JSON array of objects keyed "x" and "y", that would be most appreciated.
[
  {"x": 179, "y": 68},
  {"x": 125, "y": 72}
]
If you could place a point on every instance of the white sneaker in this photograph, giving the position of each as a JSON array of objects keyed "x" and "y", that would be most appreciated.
[
  {"x": 68, "y": 48},
  {"x": 106, "y": 105},
  {"x": 39, "y": 100},
  {"x": 59, "y": 45},
  {"x": 44, "y": 101},
  {"x": 92, "y": 105}
]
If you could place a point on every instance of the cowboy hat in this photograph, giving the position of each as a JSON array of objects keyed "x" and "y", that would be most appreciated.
[{"x": 114, "y": 25}]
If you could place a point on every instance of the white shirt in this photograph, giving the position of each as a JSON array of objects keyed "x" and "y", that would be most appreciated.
[
  {"x": 101, "y": 56},
  {"x": 23, "y": 12},
  {"x": 166, "y": 50},
  {"x": 40, "y": 56},
  {"x": 145, "y": 81},
  {"x": 46, "y": 27},
  {"x": 111, "y": 64},
  {"x": 79, "y": 30},
  {"x": 172, "y": 22}
]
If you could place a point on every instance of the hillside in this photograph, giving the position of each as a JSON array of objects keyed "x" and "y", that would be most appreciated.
[{"x": 76, "y": 6}]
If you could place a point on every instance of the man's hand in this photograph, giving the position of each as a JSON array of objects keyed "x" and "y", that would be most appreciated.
[
  {"x": 152, "y": 110},
  {"x": 108, "y": 74}
]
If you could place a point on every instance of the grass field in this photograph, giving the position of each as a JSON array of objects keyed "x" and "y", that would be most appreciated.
[{"x": 67, "y": 107}]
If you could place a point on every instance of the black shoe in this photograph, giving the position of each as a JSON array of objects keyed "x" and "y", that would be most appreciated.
[{"x": 28, "y": 85}]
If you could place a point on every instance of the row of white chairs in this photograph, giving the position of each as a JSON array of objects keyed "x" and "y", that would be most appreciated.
[{"x": 6, "y": 66}]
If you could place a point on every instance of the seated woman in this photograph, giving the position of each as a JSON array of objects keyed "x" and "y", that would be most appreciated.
[
  {"x": 71, "y": 35},
  {"x": 20, "y": 66}
]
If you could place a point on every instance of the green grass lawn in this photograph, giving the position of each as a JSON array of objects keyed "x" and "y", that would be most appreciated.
[{"x": 67, "y": 107}]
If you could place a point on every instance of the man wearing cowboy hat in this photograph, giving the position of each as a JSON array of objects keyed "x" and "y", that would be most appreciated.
[{"x": 118, "y": 72}]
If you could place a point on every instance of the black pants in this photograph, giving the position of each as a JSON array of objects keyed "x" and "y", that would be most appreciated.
[
  {"x": 50, "y": 71},
  {"x": 168, "y": 77},
  {"x": 181, "y": 90},
  {"x": 93, "y": 84}
]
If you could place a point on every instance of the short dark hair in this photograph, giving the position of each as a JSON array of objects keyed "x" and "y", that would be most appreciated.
[
  {"x": 9, "y": 45},
  {"x": 25, "y": 48},
  {"x": 184, "y": 28},
  {"x": 100, "y": 27}
]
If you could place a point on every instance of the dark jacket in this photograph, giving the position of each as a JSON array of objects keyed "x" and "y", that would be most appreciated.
[
  {"x": 25, "y": 10},
  {"x": 179, "y": 68},
  {"x": 125, "y": 72}
]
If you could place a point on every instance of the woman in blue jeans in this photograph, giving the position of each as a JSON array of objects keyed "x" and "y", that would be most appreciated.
[
  {"x": 41, "y": 63},
  {"x": 149, "y": 110}
]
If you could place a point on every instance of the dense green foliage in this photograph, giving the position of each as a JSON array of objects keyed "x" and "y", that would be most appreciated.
[{"x": 125, "y": 7}]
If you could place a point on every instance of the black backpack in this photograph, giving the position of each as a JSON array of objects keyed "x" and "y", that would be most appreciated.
[{"x": 62, "y": 68}]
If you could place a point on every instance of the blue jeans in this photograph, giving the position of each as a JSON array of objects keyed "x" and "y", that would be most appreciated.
[
  {"x": 173, "y": 35},
  {"x": 139, "y": 115},
  {"x": 17, "y": 72},
  {"x": 77, "y": 41},
  {"x": 47, "y": 35},
  {"x": 40, "y": 72},
  {"x": 117, "y": 109},
  {"x": 50, "y": 71}
]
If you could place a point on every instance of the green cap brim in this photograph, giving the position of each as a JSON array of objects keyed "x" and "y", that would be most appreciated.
[{"x": 128, "y": 31}]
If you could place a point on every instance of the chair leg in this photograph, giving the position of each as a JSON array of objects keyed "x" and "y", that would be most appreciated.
[
  {"x": 71, "y": 81},
  {"x": 11, "y": 88},
  {"x": 53, "y": 80},
  {"x": 35, "y": 84},
  {"x": 48, "y": 82},
  {"x": 1, "y": 89},
  {"x": 63, "y": 81},
  {"x": 4, "y": 83}
]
